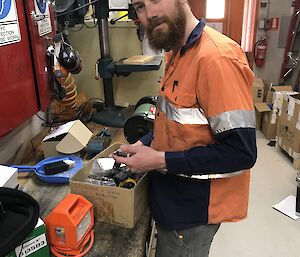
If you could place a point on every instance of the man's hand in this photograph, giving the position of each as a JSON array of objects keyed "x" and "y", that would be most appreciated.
[{"x": 141, "y": 158}]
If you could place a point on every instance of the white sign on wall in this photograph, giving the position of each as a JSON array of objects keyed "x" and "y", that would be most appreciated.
[
  {"x": 9, "y": 25},
  {"x": 42, "y": 10}
]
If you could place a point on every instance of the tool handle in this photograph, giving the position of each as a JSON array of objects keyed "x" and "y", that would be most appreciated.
[
  {"x": 24, "y": 168},
  {"x": 120, "y": 153}
]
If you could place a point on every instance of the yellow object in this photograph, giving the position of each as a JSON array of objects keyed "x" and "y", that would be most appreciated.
[
  {"x": 122, "y": 13},
  {"x": 128, "y": 183}
]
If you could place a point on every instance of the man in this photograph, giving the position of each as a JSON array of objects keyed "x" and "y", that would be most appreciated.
[{"x": 203, "y": 143}]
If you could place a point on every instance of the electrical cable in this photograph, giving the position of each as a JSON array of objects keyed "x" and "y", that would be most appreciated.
[
  {"x": 113, "y": 21},
  {"x": 41, "y": 118},
  {"x": 75, "y": 9},
  {"x": 78, "y": 114},
  {"x": 77, "y": 29},
  {"x": 61, "y": 252}
]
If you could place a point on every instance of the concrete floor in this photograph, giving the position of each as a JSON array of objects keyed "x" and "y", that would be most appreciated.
[{"x": 266, "y": 232}]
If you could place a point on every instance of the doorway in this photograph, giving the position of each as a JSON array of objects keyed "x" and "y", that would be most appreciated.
[{"x": 234, "y": 18}]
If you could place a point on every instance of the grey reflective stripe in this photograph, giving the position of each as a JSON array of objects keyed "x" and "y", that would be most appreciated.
[
  {"x": 231, "y": 120},
  {"x": 181, "y": 115},
  {"x": 206, "y": 176},
  {"x": 212, "y": 176}
]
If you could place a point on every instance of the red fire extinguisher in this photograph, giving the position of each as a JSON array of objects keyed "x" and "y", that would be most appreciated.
[{"x": 260, "y": 50}]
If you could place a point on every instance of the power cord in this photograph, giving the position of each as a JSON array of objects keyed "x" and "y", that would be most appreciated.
[
  {"x": 63, "y": 252},
  {"x": 79, "y": 113}
]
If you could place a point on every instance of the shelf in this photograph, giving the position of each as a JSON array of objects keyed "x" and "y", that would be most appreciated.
[{"x": 154, "y": 64}]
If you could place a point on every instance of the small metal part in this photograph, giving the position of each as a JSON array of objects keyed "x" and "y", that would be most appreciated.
[
  {"x": 101, "y": 181},
  {"x": 120, "y": 153}
]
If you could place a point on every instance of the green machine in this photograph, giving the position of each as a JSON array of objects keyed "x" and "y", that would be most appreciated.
[{"x": 142, "y": 120}]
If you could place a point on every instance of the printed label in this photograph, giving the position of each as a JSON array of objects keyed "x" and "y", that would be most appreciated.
[
  {"x": 9, "y": 25},
  {"x": 298, "y": 122},
  {"x": 31, "y": 246},
  {"x": 291, "y": 106},
  {"x": 273, "y": 117},
  {"x": 42, "y": 10}
]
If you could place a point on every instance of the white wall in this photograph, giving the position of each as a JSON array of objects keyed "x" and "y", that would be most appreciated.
[{"x": 274, "y": 58}]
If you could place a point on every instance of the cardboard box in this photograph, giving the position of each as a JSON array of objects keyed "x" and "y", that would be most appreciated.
[
  {"x": 270, "y": 94},
  {"x": 119, "y": 206},
  {"x": 8, "y": 177},
  {"x": 258, "y": 90},
  {"x": 267, "y": 87},
  {"x": 267, "y": 111},
  {"x": 260, "y": 108},
  {"x": 269, "y": 124},
  {"x": 68, "y": 138},
  {"x": 35, "y": 244},
  {"x": 288, "y": 127}
]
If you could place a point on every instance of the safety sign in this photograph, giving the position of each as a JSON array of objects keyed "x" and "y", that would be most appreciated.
[
  {"x": 44, "y": 22},
  {"x": 9, "y": 25}
]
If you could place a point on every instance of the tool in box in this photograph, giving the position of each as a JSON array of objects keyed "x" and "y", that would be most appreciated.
[
  {"x": 119, "y": 175},
  {"x": 99, "y": 143}
]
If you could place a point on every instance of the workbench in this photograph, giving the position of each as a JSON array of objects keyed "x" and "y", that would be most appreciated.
[{"x": 110, "y": 240}]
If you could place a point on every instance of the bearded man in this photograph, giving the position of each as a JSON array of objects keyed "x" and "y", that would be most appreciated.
[{"x": 199, "y": 155}]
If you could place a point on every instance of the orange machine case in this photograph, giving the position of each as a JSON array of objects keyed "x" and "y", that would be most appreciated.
[{"x": 68, "y": 214}]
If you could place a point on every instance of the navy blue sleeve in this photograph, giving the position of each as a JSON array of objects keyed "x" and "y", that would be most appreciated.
[
  {"x": 146, "y": 140},
  {"x": 233, "y": 150}
]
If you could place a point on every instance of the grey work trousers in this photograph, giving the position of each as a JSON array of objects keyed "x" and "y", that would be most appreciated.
[{"x": 192, "y": 242}]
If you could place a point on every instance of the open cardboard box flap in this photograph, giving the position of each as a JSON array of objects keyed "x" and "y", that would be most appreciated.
[
  {"x": 262, "y": 107},
  {"x": 68, "y": 138},
  {"x": 76, "y": 139},
  {"x": 281, "y": 88}
]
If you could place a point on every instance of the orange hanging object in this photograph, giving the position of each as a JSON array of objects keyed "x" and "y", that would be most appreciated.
[
  {"x": 67, "y": 107},
  {"x": 69, "y": 101},
  {"x": 69, "y": 225}
]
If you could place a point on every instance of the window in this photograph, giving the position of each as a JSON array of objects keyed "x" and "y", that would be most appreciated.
[{"x": 215, "y": 9}]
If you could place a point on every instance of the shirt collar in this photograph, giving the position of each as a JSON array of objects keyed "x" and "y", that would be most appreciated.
[{"x": 194, "y": 36}]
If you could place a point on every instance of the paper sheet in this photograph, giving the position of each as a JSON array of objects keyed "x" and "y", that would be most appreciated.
[
  {"x": 62, "y": 129},
  {"x": 288, "y": 207}
]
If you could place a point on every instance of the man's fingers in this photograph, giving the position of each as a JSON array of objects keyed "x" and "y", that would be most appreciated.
[
  {"x": 119, "y": 159},
  {"x": 129, "y": 148}
]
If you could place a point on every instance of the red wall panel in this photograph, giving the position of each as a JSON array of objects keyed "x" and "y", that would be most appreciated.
[
  {"x": 24, "y": 80},
  {"x": 39, "y": 45},
  {"x": 18, "y": 99}
]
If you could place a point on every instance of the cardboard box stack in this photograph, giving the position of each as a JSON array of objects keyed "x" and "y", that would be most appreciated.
[
  {"x": 258, "y": 90},
  {"x": 288, "y": 127},
  {"x": 112, "y": 204},
  {"x": 258, "y": 97},
  {"x": 267, "y": 110}
]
